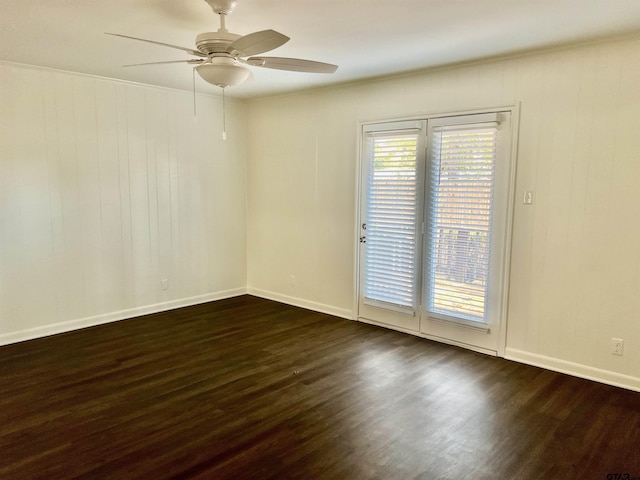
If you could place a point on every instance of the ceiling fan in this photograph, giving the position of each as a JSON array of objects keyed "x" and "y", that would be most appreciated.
[{"x": 223, "y": 57}]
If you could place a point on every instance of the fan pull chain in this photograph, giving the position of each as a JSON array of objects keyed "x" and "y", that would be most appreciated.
[
  {"x": 194, "y": 91},
  {"x": 224, "y": 116}
]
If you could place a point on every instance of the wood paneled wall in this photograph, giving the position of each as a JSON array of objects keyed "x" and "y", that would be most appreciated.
[{"x": 107, "y": 188}]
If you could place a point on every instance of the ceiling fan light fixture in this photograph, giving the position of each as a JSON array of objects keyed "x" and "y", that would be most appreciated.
[{"x": 223, "y": 72}]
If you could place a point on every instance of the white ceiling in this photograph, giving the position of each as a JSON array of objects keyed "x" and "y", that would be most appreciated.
[{"x": 366, "y": 38}]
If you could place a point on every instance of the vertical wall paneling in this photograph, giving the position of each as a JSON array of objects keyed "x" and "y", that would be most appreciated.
[
  {"x": 583, "y": 336},
  {"x": 36, "y": 247},
  {"x": 10, "y": 232},
  {"x": 528, "y": 91},
  {"x": 139, "y": 195},
  {"x": 153, "y": 149},
  {"x": 176, "y": 152},
  {"x": 124, "y": 192},
  {"x": 51, "y": 140},
  {"x": 627, "y": 148},
  {"x": 106, "y": 111},
  {"x": 549, "y": 122},
  {"x": 596, "y": 249},
  {"x": 622, "y": 255},
  {"x": 86, "y": 142},
  {"x": 554, "y": 187},
  {"x": 106, "y": 189},
  {"x": 69, "y": 187}
]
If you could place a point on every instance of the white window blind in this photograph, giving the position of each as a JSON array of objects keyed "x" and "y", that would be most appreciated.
[
  {"x": 391, "y": 213},
  {"x": 461, "y": 189}
]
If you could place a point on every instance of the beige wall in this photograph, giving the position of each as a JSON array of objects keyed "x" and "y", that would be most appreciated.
[
  {"x": 106, "y": 188},
  {"x": 575, "y": 277}
]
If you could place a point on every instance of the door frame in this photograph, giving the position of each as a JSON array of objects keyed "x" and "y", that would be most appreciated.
[{"x": 510, "y": 208}]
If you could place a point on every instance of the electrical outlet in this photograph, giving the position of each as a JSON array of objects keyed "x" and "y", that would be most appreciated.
[
  {"x": 617, "y": 346},
  {"x": 164, "y": 284},
  {"x": 527, "y": 198},
  {"x": 292, "y": 280}
]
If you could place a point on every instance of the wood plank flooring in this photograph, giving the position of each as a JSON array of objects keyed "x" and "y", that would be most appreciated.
[{"x": 247, "y": 388}]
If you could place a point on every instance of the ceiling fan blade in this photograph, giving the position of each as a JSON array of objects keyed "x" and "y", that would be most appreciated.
[
  {"x": 293, "y": 64},
  {"x": 184, "y": 49},
  {"x": 258, "y": 42},
  {"x": 191, "y": 61}
]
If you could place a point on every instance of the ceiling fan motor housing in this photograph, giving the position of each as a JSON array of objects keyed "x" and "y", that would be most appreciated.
[{"x": 215, "y": 42}]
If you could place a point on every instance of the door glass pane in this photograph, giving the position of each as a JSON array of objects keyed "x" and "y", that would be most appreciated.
[
  {"x": 390, "y": 270},
  {"x": 461, "y": 189}
]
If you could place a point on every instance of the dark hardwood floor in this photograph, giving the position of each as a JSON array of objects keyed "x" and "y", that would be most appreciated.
[{"x": 248, "y": 388}]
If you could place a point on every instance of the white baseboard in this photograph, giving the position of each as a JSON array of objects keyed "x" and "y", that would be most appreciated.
[
  {"x": 574, "y": 369},
  {"x": 549, "y": 363},
  {"x": 53, "y": 329},
  {"x": 301, "y": 302}
]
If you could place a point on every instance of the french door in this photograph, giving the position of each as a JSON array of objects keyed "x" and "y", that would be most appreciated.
[
  {"x": 390, "y": 223},
  {"x": 434, "y": 227}
]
